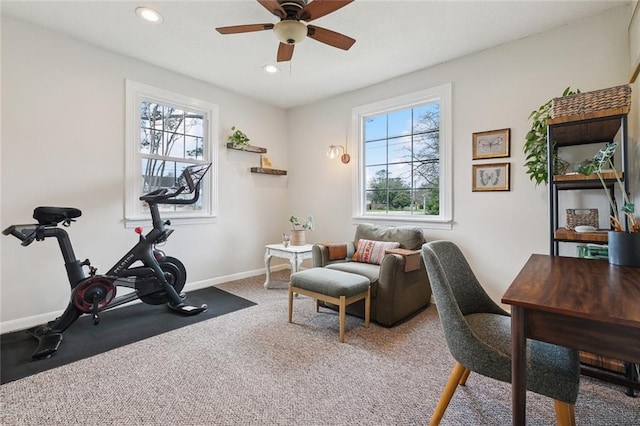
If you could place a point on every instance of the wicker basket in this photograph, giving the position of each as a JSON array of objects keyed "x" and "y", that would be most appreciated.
[
  {"x": 598, "y": 100},
  {"x": 580, "y": 217}
]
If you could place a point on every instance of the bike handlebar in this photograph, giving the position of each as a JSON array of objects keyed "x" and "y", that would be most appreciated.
[
  {"x": 190, "y": 180},
  {"x": 164, "y": 196},
  {"x": 28, "y": 233},
  {"x": 25, "y": 238}
]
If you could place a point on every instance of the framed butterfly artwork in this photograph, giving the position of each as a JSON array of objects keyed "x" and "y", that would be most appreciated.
[
  {"x": 491, "y": 144},
  {"x": 491, "y": 177}
]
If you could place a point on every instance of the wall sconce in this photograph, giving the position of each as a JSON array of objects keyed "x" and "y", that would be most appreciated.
[{"x": 334, "y": 152}]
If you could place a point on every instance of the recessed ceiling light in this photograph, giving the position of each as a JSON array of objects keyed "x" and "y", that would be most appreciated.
[
  {"x": 149, "y": 15},
  {"x": 270, "y": 69}
]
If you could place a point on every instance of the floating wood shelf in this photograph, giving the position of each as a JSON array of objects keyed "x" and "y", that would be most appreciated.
[
  {"x": 258, "y": 150},
  {"x": 268, "y": 171},
  {"x": 249, "y": 148}
]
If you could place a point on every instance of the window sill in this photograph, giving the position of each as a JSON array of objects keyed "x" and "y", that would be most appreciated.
[
  {"x": 432, "y": 223},
  {"x": 175, "y": 221}
]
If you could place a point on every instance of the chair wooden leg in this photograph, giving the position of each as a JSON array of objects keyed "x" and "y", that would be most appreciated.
[
  {"x": 465, "y": 376},
  {"x": 565, "y": 414},
  {"x": 449, "y": 389}
]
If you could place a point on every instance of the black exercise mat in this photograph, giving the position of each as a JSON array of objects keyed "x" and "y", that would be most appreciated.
[{"x": 118, "y": 327}]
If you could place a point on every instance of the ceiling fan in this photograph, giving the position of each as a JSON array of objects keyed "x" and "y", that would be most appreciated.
[{"x": 290, "y": 30}]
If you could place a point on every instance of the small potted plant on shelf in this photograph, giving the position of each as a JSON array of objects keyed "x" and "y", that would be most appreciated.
[
  {"x": 238, "y": 139},
  {"x": 298, "y": 231},
  {"x": 624, "y": 246},
  {"x": 535, "y": 146}
]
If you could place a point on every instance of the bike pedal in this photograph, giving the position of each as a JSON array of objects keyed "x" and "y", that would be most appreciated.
[
  {"x": 48, "y": 344},
  {"x": 188, "y": 310}
]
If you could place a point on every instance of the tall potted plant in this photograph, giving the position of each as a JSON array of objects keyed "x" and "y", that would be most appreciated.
[
  {"x": 624, "y": 242},
  {"x": 535, "y": 145}
]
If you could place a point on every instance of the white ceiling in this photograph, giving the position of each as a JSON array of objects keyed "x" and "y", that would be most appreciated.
[{"x": 394, "y": 37}]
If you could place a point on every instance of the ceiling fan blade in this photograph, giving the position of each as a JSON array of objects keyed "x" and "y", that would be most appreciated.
[
  {"x": 274, "y": 7},
  {"x": 329, "y": 37},
  {"x": 318, "y": 8},
  {"x": 285, "y": 52},
  {"x": 235, "y": 29}
]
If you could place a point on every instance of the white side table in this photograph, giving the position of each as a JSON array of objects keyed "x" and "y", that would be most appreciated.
[{"x": 295, "y": 254}]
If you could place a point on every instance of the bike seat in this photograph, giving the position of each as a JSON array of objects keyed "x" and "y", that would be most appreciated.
[{"x": 55, "y": 215}]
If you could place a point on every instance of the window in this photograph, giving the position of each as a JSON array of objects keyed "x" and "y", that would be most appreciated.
[
  {"x": 404, "y": 158},
  {"x": 167, "y": 132}
]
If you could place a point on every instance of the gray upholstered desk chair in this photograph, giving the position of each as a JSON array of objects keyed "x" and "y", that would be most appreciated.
[{"x": 478, "y": 333}]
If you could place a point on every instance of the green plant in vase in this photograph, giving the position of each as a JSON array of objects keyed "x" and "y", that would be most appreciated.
[
  {"x": 535, "y": 146},
  {"x": 297, "y": 232},
  {"x": 307, "y": 224},
  {"x": 603, "y": 159},
  {"x": 238, "y": 139}
]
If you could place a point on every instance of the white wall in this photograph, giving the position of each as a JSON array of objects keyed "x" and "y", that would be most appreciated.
[
  {"x": 63, "y": 135},
  {"x": 493, "y": 89},
  {"x": 63, "y": 144}
]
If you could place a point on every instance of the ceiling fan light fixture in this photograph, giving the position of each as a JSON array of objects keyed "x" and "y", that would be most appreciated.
[{"x": 290, "y": 32}]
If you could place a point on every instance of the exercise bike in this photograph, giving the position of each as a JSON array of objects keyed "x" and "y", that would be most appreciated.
[{"x": 160, "y": 279}]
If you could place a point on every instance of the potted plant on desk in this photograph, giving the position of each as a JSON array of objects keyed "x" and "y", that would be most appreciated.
[
  {"x": 624, "y": 242},
  {"x": 298, "y": 234}
]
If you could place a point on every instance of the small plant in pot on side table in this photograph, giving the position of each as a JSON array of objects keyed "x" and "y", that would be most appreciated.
[
  {"x": 298, "y": 234},
  {"x": 624, "y": 246}
]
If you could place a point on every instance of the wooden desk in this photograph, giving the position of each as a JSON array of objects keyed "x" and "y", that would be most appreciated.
[{"x": 584, "y": 304}]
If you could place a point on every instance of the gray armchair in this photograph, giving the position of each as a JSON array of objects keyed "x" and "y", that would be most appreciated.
[
  {"x": 478, "y": 333},
  {"x": 399, "y": 284}
]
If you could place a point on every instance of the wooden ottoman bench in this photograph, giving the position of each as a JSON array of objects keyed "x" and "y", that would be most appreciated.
[{"x": 328, "y": 285}]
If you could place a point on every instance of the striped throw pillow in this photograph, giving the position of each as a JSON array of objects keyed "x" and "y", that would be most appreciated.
[{"x": 369, "y": 251}]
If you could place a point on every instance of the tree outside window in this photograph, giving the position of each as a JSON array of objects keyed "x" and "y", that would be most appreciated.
[
  {"x": 170, "y": 139},
  {"x": 404, "y": 159},
  {"x": 167, "y": 132}
]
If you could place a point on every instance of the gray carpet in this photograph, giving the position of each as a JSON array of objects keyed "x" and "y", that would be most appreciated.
[
  {"x": 118, "y": 327},
  {"x": 251, "y": 367}
]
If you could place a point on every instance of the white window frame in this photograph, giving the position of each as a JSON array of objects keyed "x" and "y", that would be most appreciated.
[
  {"x": 441, "y": 94},
  {"x": 134, "y": 215}
]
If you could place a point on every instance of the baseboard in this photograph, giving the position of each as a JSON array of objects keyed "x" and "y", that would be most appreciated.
[
  {"x": 239, "y": 276},
  {"x": 34, "y": 320},
  {"x": 28, "y": 322}
]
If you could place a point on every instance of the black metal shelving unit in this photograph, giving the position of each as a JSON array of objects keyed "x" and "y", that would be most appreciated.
[{"x": 599, "y": 127}]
